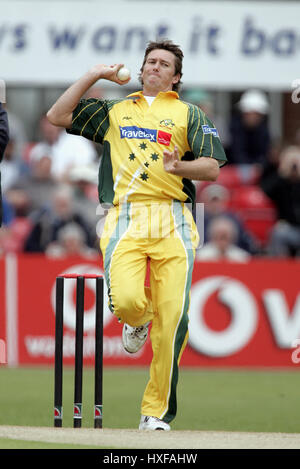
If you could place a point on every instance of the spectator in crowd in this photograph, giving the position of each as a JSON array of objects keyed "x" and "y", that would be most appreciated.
[
  {"x": 38, "y": 184},
  {"x": 14, "y": 234},
  {"x": 4, "y": 136},
  {"x": 70, "y": 242},
  {"x": 17, "y": 129},
  {"x": 222, "y": 238},
  {"x": 66, "y": 151},
  {"x": 48, "y": 222},
  {"x": 215, "y": 198},
  {"x": 32, "y": 195},
  {"x": 13, "y": 166},
  {"x": 47, "y": 137},
  {"x": 8, "y": 212},
  {"x": 84, "y": 180},
  {"x": 249, "y": 131},
  {"x": 95, "y": 91},
  {"x": 205, "y": 101},
  {"x": 71, "y": 151},
  {"x": 280, "y": 180}
]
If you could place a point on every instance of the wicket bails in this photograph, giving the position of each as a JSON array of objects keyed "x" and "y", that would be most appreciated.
[{"x": 58, "y": 375}]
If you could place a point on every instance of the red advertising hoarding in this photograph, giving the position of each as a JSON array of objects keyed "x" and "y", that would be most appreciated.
[
  {"x": 2, "y": 315},
  {"x": 245, "y": 315}
]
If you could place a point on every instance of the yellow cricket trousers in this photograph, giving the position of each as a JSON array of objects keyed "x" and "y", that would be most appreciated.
[{"x": 164, "y": 233}]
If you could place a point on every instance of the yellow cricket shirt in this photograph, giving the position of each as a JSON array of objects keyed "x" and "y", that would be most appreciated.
[{"x": 134, "y": 136}]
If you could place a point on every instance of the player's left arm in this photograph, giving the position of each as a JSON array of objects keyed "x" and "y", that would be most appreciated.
[
  {"x": 201, "y": 169},
  {"x": 204, "y": 142}
]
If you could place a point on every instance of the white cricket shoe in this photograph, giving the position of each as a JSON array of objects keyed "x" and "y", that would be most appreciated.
[
  {"x": 133, "y": 338},
  {"x": 153, "y": 423}
]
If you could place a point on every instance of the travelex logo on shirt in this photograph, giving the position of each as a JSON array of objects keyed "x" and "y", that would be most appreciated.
[
  {"x": 210, "y": 130},
  {"x": 153, "y": 135}
]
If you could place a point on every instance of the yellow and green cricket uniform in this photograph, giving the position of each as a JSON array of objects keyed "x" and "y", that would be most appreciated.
[{"x": 149, "y": 220}]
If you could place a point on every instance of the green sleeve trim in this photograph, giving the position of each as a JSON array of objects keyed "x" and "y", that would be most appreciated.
[
  {"x": 90, "y": 118},
  {"x": 106, "y": 183},
  {"x": 203, "y": 143}
]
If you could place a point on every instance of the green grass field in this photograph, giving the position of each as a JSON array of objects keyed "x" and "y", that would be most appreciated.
[{"x": 235, "y": 400}]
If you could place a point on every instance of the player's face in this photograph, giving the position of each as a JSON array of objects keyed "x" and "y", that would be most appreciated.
[{"x": 159, "y": 72}]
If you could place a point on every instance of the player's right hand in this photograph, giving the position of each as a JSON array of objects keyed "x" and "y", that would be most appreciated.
[{"x": 108, "y": 72}]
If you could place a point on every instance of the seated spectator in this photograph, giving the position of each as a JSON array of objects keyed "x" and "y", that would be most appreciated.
[
  {"x": 70, "y": 242},
  {"x": 8, "y": 212},
  {"x": 38, "y": 185},
  {"x": 12, "y": 166},
  {"x": 281, "y": 182},
  {"x": 249, "y": 131},
  {"x": 71, "y": 151},
  {"x": 48, "y": 221},
  {"x": 18, "y": 130},
  {"x": 95, "y": 92},
  {"x": 14, "y": 234},
  {"x": 66, "y": 151},
  {"x": 205, "y": 102},
  {"x": 4, "y": 137},
  {"x": 222, "y": 238},
  {"x": 215, "y": 199},
  {"x": 47, "y": 137},
  {"x": 84, "y": 180}
]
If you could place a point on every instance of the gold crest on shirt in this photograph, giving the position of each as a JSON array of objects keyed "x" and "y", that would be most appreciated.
[{"x": 167, "y": 123}]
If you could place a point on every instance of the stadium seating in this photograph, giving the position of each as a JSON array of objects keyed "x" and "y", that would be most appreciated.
[
  {"x": 233, "y": 176},
  {"x": 246, "y": 200},
  {"x": 255, "y": 209},
  {"x": 14, "y": 237}
]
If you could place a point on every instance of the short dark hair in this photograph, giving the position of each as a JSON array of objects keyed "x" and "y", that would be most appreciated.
[{"x": 171, "y": 47}]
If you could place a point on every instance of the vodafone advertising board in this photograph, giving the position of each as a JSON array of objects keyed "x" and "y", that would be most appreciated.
[{"x": 245, "y": 315}]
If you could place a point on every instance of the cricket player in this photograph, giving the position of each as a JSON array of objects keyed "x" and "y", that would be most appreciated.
[
  {"x": 4, "y": 137},
  {"x": 154, "y": 145}
]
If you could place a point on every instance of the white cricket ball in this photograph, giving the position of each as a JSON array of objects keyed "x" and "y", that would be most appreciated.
[{"x": 123, "y": 74}]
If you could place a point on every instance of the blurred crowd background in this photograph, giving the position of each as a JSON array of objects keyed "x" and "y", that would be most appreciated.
[{"x": 49, "y": 183}]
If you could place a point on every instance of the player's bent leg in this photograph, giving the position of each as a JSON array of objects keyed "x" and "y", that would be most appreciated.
[
  {"x": 127, "y": 296},
  {"x": 125, "y": 269},
  {"x": 133, "y": 338}
]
